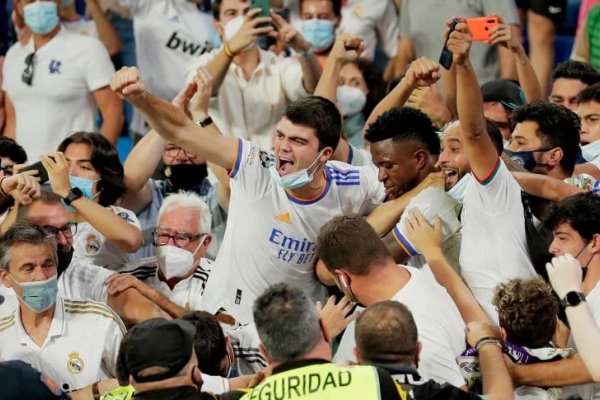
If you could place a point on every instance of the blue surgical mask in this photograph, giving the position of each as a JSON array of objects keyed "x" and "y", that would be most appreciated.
[
  {"x": 85, "y": 185},
  {"x": 458, "y": 190},
  {"x": 296, "y": 179},
  {"x": 591, "y": 150},
  {"x": 319, "y": 32},
  {"x": 525, "y": 159},
  {"x": 41, "y": 16},
  {"x": 39, "y": 295}
]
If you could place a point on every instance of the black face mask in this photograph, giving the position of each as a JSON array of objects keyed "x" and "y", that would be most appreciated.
[
  {"x": 185, "y": 176},
  {"x": 64, "y": 258}
]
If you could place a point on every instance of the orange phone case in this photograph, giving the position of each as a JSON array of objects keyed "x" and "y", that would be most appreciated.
[{"x": 481, "y": 27}]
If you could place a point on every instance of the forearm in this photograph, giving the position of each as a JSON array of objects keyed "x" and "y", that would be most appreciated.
[
  {"x": 311, "y": 71},
  {"x": 545, "y": 186},
  {"x": 105, "y": 29},
  {"x": 143, "y": 160},
  {"x": 586, "y": 335},
  {"x": 217, "y": 68},
  {"x": 386, "y": 216},
  {"x": 133, "y": 307},
  {"x": 469, "y": 102},
  {"x": 112, "y": 120},
  {"x": 570, "y": 371},
  {"x": 449, "y": 83},
  {"x": 10, "y": 122},
  {"x": 527, "y": 78},
  {"x": 405, "y": 55},
  {"x": 327, "y": 85},
  {"x": 164, "y": 303},
  {"x": 86, "y": 393},
  {"x": 582, "y": 45},
  {"x": 469, "y": 308},
  {"x": 115, "y": 229},
  {"x": 10, "y": 219},
  {"x": 497, "y": 384}
]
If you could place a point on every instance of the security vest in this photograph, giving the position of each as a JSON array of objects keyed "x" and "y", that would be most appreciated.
[{"x": 323, "y": 381}]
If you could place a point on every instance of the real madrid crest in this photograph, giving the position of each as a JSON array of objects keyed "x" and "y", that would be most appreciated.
[
  {"x": 92, "y": 244},
  {"x": 75, "y": 363}
]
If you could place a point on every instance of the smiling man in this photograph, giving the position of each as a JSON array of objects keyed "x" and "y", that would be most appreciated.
[{"x": 277, "y": 206}]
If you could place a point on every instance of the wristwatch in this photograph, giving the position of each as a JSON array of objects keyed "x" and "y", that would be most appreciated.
[
  {"x": 205, "y": 122},
  {"x": 74, "y": 194},
  {"x": 572, "y": 299}
]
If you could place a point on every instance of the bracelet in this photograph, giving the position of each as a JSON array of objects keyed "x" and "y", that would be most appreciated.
[
  {"x": 95, "y": 390},
  {"x": 228, "y": 52},
  {"x": 1, "y": 189},
  {"x": 488, "y": 340}
]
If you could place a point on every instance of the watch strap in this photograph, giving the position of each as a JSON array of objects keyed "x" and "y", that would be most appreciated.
[
  {"x": 572, "y": 299},
  {"x": 74, "y": 194},
  {"x": 205, "y": 122}
]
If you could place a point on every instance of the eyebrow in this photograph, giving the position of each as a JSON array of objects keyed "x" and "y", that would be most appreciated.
[{"x": 292, "y": 137}]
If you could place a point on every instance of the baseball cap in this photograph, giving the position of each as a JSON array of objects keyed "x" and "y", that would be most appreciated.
[
  {"x": 504, "y": 91},
  {"x": 157, "y": 343},
  {"x": 21, "y": 381}
]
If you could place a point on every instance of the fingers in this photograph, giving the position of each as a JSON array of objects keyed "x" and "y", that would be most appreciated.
[
  {"x": 126, "y": 81},
  {"x": 252, "y": 13},
  {"x": 319, "y": 305}
]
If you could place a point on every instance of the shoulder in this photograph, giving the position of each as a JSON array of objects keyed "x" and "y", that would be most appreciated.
[
  {"x": 343, "y": 174},
  {"x": 8, "y": 321},
  {"x": 93, "y": 309}
]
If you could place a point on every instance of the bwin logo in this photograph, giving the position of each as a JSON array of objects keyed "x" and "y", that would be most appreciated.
[{"x": 191, "y": 48}]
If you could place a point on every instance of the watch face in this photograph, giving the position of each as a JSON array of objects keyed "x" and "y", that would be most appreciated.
[{"x": 573, "y": 298}]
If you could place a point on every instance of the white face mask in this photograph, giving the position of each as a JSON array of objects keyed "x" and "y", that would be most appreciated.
[
  {"x": 591, "y": 150},
  {"x": 351, "y": 99},
  {"x": 232, "y": 27},
  {"x": 175, "y": 262},
  {"x": 458, "y": 190}
]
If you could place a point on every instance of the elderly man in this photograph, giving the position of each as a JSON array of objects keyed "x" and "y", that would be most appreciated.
[{"x": 74, "y": 342}]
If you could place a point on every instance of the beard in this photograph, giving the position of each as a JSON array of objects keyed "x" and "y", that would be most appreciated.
[{"x": 64, "y": 255}]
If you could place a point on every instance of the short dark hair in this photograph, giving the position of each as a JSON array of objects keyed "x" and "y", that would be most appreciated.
[
  {"x": 527, "y": 310},
  {"x": 337, "y": 7},
  {"x": 557, "y": 127},
  {"x": 209, "y": 341},
  {"x": 386, "y": 333},
  {"x": 106, "y": 161},
  {"x": 373, "y": 77},
  {"x": 581, "y": 212},
  {"x": 216, "y": 8},
  {"x": 11, "y": 149},
  {"x": 580, "y": 70},
  {"x": 287, "y": 322},
  {"x": 319, "y": 114},
  {"x": 24, "y": 232},
  {"x": 589, "y": 94},
  {"x": 402, "y": 124},
  {"x": 349, "y": 242}
]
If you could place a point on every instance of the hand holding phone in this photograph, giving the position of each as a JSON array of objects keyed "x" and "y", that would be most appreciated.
[
  {"x": 42, "y": 173},
  {"x": 446, "y": 56}
]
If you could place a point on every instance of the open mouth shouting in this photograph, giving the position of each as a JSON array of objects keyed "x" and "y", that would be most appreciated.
[
  {"x": 451, "y": 175},
  {"x": 286, "y": 166}
]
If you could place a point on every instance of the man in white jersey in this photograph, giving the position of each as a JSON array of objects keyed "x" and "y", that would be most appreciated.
[
  {"x": 494, "y": 246},
  {"x": 575, "y": 226},
  {"x": 276, "y": 209},
  {"x": 366, "y": 272},
  {"x": 179, "y": 269},
  {"x": 78, "y": 279},
  {"x": 74, "y": 342}
]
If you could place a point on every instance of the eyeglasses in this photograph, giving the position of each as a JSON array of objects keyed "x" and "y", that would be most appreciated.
[
  {"x": 27, "y": 76},
  {"x": 68, "y": 230},
  {"x": 181, "y": 239},
  {"x": 8, "y": 170},
  {"x": 173, "y": 151}
]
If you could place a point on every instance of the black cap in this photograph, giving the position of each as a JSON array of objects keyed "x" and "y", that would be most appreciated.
[
  {"x": 504, "y": 91},
  {"x": 157, "y": 343},
  {"x": 21, "y": 381}
]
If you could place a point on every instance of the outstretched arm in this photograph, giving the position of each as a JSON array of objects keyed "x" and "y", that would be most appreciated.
[{"x": 171, "y": 123}]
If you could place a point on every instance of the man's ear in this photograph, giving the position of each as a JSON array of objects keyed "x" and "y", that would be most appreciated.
[
  {"x": 5, "y": 278},
  {"x": 503, "y": 334},
  {"x": 207, "y": 240},
  {"x": 554, "y": 156},
  {"x": 595, "y": 244},
  {"x": 418, "y": 353},
  {"x": 421, "y": 158},
  {"x": 264, "y": 353},
  {"x": 219, "y": 28},
  {"x": 327, "y": 154}
]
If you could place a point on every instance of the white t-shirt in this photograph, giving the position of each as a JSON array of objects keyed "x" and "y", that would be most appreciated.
[
  {"x": 249, "y": 109},
  {"x": 439, "y": 324},
  {"x": 67, "y": 70},
  {"x": 270, "y": 235},
  {"x": 359, "y": 157},
  {"x": 80, "y": 349},
  {"x": 92, "y": 246},
  {"x": 186, "y": 293},
  {"x": 374, "y": 21},
  {"x": 169, "y": 34},
  {"x": 494, "y": 247},
  {"x": 433, "y": 202},
  {"x": 245, "y": 341}
]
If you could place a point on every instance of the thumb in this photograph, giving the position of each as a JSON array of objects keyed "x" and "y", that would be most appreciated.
[{"x": 319, "y": 306}]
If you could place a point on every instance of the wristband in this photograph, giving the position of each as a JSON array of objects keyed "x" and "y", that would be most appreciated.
[
  {"x": 228, "y": 52},
  {"x": 488, "y": 340},
  {"x": 95, "y": 390}
]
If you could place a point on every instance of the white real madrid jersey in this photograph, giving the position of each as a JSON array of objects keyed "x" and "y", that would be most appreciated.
[{"x": 271, "y": 235}]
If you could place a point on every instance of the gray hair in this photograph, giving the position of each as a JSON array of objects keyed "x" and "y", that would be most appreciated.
[
  {"x": 287, "y": 322},
  {"x": 188, "y": 201},
  {"x": 24, "y": 232}
]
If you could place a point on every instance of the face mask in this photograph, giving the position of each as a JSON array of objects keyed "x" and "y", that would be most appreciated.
[
  {"x": 319, "y": 32},
  {"x": 175, "y": 262},
  {"x": 591, "y": 150},
  {"x": 186, "y": 176},
  {"x": 41, "y": 17},
  {"x": 351, "y": 99},
  {"x": 458, "y": 190},
  {"x": 296, "y": 179},
  {"x": 40, "y": 295},
  {"x": 64, "y": 258},
  {"x": 523, "y": 158}
]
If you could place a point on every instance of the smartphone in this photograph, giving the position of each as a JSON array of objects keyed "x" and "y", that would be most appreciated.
[
  {"x": 446, "y": 56},
  {"x": 42, "y": 173},
  {"x": 482, "y": 27},
  {"x": 265, "y": 9}
]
